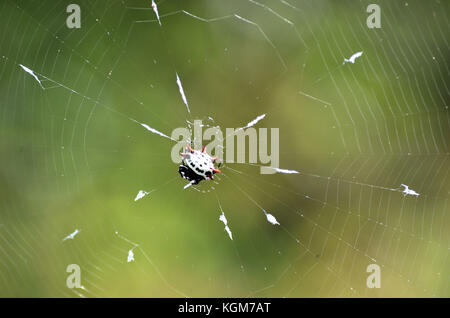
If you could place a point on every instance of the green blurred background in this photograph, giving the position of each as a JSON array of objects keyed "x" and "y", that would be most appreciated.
[{"x": 71, "y": 159}]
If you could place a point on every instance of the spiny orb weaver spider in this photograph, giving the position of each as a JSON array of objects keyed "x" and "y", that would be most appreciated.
[{"x": 197, "y": 165}]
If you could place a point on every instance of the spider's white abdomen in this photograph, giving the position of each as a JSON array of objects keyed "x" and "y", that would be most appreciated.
[
  {"x": 200, "y": 163},
  {"x": 197, "y": 165}
]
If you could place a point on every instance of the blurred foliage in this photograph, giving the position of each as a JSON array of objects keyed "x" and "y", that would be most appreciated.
[{"x": 72, "y": 159}]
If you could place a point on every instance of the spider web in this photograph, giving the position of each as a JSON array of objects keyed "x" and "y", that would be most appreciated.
[{"x": 86, "y": 116}]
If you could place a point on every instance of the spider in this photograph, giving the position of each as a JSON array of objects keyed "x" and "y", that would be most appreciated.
[{"x": 197, "y": 165}]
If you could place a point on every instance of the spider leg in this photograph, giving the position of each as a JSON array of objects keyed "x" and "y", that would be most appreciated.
[{"x": 182, "y": 170}]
